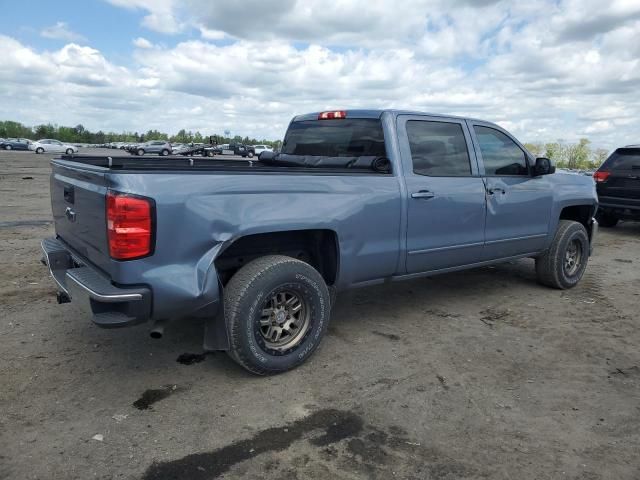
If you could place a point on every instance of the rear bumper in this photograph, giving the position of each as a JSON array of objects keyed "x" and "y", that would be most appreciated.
[
  {"x": 619, "y": 206},
  {"x": 109, "y": 306}
]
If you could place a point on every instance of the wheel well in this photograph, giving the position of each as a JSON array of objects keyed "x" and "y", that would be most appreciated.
[
  {"x": 319, "y": 248},
  {"x": 579, "y": 213}
]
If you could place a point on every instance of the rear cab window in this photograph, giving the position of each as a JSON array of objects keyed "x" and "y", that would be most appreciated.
[{"x": 349, "y": 137}]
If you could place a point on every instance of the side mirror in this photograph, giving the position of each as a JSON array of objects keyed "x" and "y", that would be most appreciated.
[
  {"x": 543, "y": 166},
  {"x": 266, "y": 156}
]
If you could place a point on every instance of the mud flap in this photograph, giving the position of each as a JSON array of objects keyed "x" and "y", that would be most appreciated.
[{"x": 216, "y": 336}]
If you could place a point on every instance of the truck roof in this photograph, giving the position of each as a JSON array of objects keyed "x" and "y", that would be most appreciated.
[{"x": 377, "y": 113}]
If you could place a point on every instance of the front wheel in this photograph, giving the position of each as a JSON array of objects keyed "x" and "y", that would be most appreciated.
[
  {"x": 250, "y": 154},
  {"x": 39, "y": 150},
  {"x": 563, "y": 265},
  {"x": 8, "y": 147},
  {"x": 140, "y": 152},
  {"x": 277, "y": 311},
  {"x": 69, "y": 151},
  {"x": 164, "y": 152}
]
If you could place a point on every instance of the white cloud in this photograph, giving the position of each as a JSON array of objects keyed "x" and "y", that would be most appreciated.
[
  {"x": 61, "y": 31},
  {"x": 161, "y": 16},
  {"x": 143, "y": 43},
  {"x": 208, "y": 34},
  {"x": 528, "y": 66}
]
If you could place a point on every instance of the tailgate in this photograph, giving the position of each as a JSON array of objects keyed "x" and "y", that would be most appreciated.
[
  {"x": 78, "y": 196},
  {"x": 623, "y": 183}
]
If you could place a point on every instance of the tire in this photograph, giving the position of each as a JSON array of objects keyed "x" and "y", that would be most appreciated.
[
  {"x": 8, "y": 147},
  {"x": 555, "y": 268},
  {"x": 39, "y": 150},
  {"x": 606, "y": 220},
  {"x": 210, "y": 153},
  {"x": 69, "y": 151},
  {"x": 140, "y": 152},
  {"x": 255, "y": 309},
  {"x": 250, "y": 154},
  {"x": 164, "y": 152}
]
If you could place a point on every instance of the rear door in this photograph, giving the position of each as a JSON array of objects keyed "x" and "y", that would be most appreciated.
[
  {"x": 56, "y": 146},
  {"x": 446, "y": 195},
  {"x": 518, "y": 204}
]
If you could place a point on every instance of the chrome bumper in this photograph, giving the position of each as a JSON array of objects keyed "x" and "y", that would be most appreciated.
[
  {"x": 593, "y": 233},
  {"x": 91, "y": 291}
]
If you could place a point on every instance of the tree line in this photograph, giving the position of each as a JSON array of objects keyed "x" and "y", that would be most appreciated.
[
  {"x": 566, "y": 155},
  {"x": 579, "y": 156},
  {"x": 79, "y": 134}
]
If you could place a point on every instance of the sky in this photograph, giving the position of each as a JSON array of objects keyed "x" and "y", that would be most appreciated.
[{"x": 546, "y": 70}]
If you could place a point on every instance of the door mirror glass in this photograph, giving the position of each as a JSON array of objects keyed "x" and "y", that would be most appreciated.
[{"x": 543, "y": 166}]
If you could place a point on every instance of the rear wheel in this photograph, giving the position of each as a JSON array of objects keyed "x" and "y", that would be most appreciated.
[
  {"x": 69, "y": 151},
  {"x": 250, "y": 154},
  {"x": 277, "y": 311},
  {"x": 209, "y": 153},
  {"x": 8, "y": 147},
  {"x": 140, "y": 152},
  {"x": 563, "y": 265},
  {"x": 39, "y": 150},
  {"x": 606, "y": 220},
  {"x": 164, "y": 152}
]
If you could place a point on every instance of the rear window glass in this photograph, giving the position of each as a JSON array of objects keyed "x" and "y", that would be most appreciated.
[
  {"x": 624, "y": 159},
  {"x": 358, "y": 137}
]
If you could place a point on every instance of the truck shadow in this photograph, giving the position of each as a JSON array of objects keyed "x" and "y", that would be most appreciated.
[
  {"x": 367, "y": 309},
  {"x": 622, "y": 230}
]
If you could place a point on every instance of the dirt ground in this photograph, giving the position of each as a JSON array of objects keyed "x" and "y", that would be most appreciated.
[{"x": 476, "y": 375}]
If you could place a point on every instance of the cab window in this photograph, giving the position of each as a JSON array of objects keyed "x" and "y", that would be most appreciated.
[
  {"x": 438, "y": 149},
  {"x": 501, "y": 155}
]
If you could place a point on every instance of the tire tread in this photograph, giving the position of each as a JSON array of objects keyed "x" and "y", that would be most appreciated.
[
  {"x": 234, "y": 294},
  {"x": 547, "y": 265}
]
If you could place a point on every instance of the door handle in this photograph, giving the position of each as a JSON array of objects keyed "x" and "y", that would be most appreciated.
[
  {"x": 425, "y": 194},
  {"x": 493, "y": 190}
]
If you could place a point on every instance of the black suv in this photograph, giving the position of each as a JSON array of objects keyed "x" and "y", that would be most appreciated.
[{"x": 618, "y": 186}]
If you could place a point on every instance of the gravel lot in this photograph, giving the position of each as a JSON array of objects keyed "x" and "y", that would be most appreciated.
[{"x": 476, "y": 375}]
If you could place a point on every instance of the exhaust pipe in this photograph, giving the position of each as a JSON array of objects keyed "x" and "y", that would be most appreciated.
[
  {"x": 157, "y": 331},
  {"x": 62, "y": 297}
]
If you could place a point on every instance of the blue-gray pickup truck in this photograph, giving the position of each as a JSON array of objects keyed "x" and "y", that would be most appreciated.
[{"x": 259, "y": 248}]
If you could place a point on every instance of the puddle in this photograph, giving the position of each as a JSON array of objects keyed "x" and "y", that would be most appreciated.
[
  {"x": 191, "y": 358},
  {"x": 149, "y": 397}
]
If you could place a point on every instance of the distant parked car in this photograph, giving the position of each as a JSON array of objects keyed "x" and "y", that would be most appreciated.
[
  {"x": 235, "y": 149},
  {"x": 49, "y": 145},
  {"x": 160, "y": 147},
  {"x": 258, "y": 149},
  {"x": 15, "y": 144},
  {"x": 618, "y": 186}
]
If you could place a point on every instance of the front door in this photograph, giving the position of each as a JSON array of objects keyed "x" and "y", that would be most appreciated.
[
  {"x": 446, "y": 195},
  {"x": 518, "y": 204}
]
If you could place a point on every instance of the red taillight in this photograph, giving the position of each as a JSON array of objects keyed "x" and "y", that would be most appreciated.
[
  {"x": 601, "y": 176},
  {"x": 129, "y": 226},
  {"x": 332, "y": 115}
]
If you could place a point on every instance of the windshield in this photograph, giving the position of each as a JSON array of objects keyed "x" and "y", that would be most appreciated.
[{"x": 335, "y": 138}]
